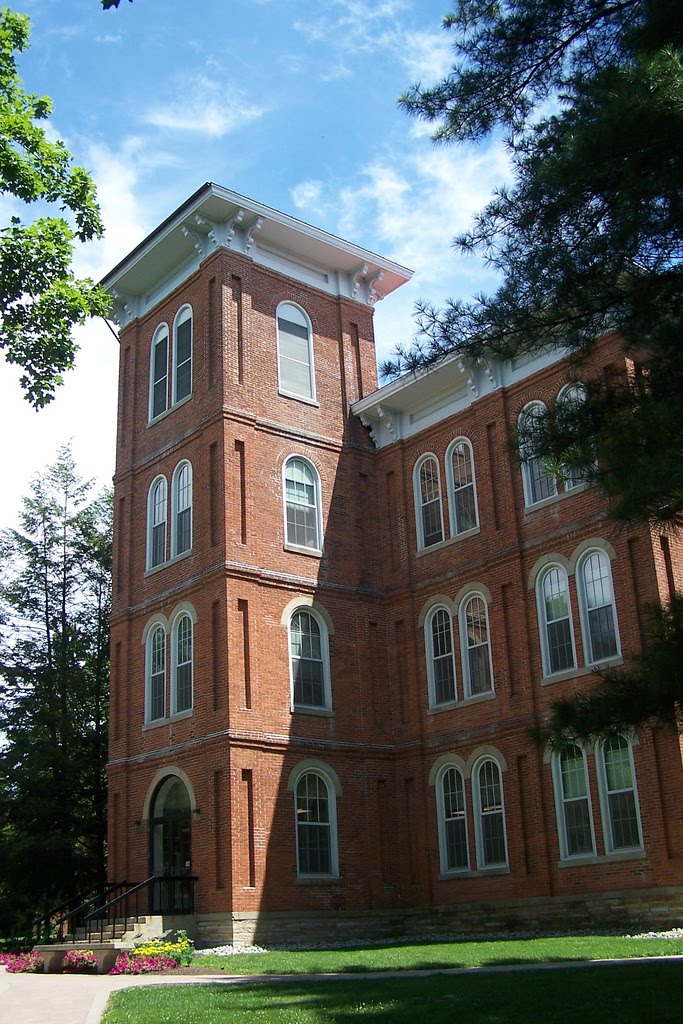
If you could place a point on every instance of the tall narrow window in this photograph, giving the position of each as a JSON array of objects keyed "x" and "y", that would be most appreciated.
[
  {"x": 158, "y": 383},
  {"x": 428, "y": 503},
  {"x": 440, "y": 664},
  {"x": 557, "y": 640},
  {"x": 569, "y": 402},
  {"x": 315, "y": 826},
  {"x": 575, "y": 820},
  {"x": 309, "y": 660},
  {"x": 295, "y": 352},
  {"x": 302, "y": 504},
  {"x": 490, "y": 815},
  {"x": 452, "y": 821},
  {"x": 597, "y": 607},
  {"x": 620, "y": 814},
  {"x": 538, "y": 482},
  {"x": 476, "y": 646},
  {"x": 182, "y": 664},
  {"x": 182, "y": 508},
  {"x": 182, "y": 355},
  {"x": 463, "y": 499},
  {"x": 156, "y": 674},
  {"x": 156, "y": 523}
]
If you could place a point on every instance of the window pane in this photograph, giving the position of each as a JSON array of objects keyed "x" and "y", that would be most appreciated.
[
  {"x": 313, "y": 826},
  {"x": 301, "y": 509},
  {"x": 455, "y": 830},
  {"x": 430, "y": 498},
  {"x": 307, "y": 660},
  {"x": 183, "y": 504},
  {"x": 491, "y": 813},
  {"x": 560, "y": 650},
  {"x": 183, "y": 694},
  {"x": 160, "y": 377},
  {"x": 442, "y": 657},
  {"x": 576, "y": 808},
  {"x": 597, "y": 584},
  {"x": 463, "y": 487},
  {"x": 158, "y": 518},
  {"x": 157, "y": 681},
  {"x": 183, "y": 359},
  {"x": 478, "y": 654},
  {"x": 621, "y": 799},
  {"x": 295, "y": 358}
]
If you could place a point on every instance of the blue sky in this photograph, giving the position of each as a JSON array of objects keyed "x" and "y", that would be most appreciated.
[{"x": 290, "y": 102}]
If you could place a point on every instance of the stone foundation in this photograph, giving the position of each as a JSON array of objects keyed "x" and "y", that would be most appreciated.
[{"x": 627, "y": 912}]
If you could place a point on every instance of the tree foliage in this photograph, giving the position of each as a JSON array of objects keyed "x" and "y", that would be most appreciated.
[
  {"x": 588, "y": 238},
  {"x": 54, "y": 605},
  {"x": 40, "y": 298}
]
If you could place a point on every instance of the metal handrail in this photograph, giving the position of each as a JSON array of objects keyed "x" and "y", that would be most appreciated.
[
  {"x": 65, "y": 912},
  {"x": 104, "y": 914}
]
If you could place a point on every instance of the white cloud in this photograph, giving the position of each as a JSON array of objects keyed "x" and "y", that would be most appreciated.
[
  {"x": 306, "y": 196},
  {"x": 354, "y": 25},
  {"x": 428, "y": 56},
  {"x": 204, "y": 106}
]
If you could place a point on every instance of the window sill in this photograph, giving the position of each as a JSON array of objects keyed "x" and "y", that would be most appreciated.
[
  {"x": 298, "y": 398},
  {"x": 605, "y": 858},
  {"x": 171, "y": 561},
  {"x": 298, "y": 550},
  {"x": 168, "y": 720},
  {"x": 436, "y": 709},
  {"x": 553, "y": 498},
  {"x": 318, "y": 880},
  {"x": 304, "y": 709},
  {"x": 167, "y": 412},
  {"x": 453, "y": 876},
  {"x": 477, "y": 698},
  {"x": 576, "y": 673},
  {"x": 449, "y": 542}
]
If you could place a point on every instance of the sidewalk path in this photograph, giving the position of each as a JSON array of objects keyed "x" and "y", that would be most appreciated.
[{"x": 82, "y": 998}]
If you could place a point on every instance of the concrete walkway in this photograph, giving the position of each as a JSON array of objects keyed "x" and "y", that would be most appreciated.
[{"x": 82, "y": 998}]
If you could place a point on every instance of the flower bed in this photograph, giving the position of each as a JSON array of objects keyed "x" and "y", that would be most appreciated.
[
  {"x": 134, "y": 963},
  {"x": 79, "y": 961},
  {"x": 22, "y": 963}
]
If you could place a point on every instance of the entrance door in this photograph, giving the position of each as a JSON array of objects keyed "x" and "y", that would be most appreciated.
[{"x": 171, "y": 848}]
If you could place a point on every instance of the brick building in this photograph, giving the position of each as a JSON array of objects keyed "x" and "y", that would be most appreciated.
[{"x": 337, "y": 611}]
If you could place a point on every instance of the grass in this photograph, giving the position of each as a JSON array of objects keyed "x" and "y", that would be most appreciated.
[
  {"x": 441, "y": 955},
  {"x": 627, "y": 993}
]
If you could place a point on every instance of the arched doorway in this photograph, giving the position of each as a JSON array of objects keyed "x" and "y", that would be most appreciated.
[{"x": 171, "y": 847}]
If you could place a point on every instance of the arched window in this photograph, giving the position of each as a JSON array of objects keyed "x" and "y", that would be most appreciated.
[
  {"x": 620, "y": 811},
  {"x": 316, "y": 825},
  {"x": 156, "y": 523},
  {"x": 158, "y": 373},
  {"x": 303, "y": 521},
  {"x": 475, "y": 645},
  {"x": 182, "y": 509},
  {"x": 452, "y": 818},
  {"x": 487, "y": 791},
  {"x": 155, "y": 674},
  {"x": 428, "y": 502},
  {"x": 554, "y": 612},
  {"x": 573, "y": 802},
  {"x": 462, "y": 494},
  {"x": 181, "y": 682},
  {"x": 598, "y": 616},
  {"x": 571, "y": 397},
  {"x": 440, "y": 660},
  {"x": 182, "y": 354},
  {"x": 309, "y": 660},
  {"x": 538, "y": 482},
  {"x": 295, "y": 352}
]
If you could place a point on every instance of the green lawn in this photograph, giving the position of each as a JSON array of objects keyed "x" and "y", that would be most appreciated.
[
  {"x": 629, "y": 994},
  {"x": 443, "y": 954}
]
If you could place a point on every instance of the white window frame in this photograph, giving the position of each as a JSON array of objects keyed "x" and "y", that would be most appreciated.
[
  {"x": 325, "y": 660},
  {"x": 152, "y": 506},
  {"x": 431, "y": 656},
  {"x": 548, "y": 671},
  {"x": 442, "y": 820},
  {"x": 154, "y": 627},
  {"x": 529, "y": 461},
  {"x": 182, "y": 316},
  {"x": 182, "y": 616},
  {"x": 161, "y": 334},
  {"x": 585, "y": 610},
  {"x": 176, "y": 511},
  {"x": 319, "y": 773},
  {"x": 465, "y": 645},
  {"x": 480, "y": 813},
  {"x": 456, "y": 528},
  {"x": 605, "y": 806},
  {"x": 562, "y": 802},
  {"x": 317, "y": 504},
  {"x": 300, "y": 314},
  {"x": 574, "y": 391},
  {"x": 420, "y": 505}
]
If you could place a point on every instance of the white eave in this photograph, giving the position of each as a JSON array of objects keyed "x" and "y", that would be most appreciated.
[{"x": 215, "y": 217}]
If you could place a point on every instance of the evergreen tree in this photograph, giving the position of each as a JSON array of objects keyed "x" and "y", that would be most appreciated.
[
  {"x": 587, "y": 240},
  {"x": 55, "y": 590}
]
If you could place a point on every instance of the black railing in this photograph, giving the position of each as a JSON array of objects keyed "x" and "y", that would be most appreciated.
[
  {"x": 62, "y": 921},
  {"x": 158, "y": 894}
]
